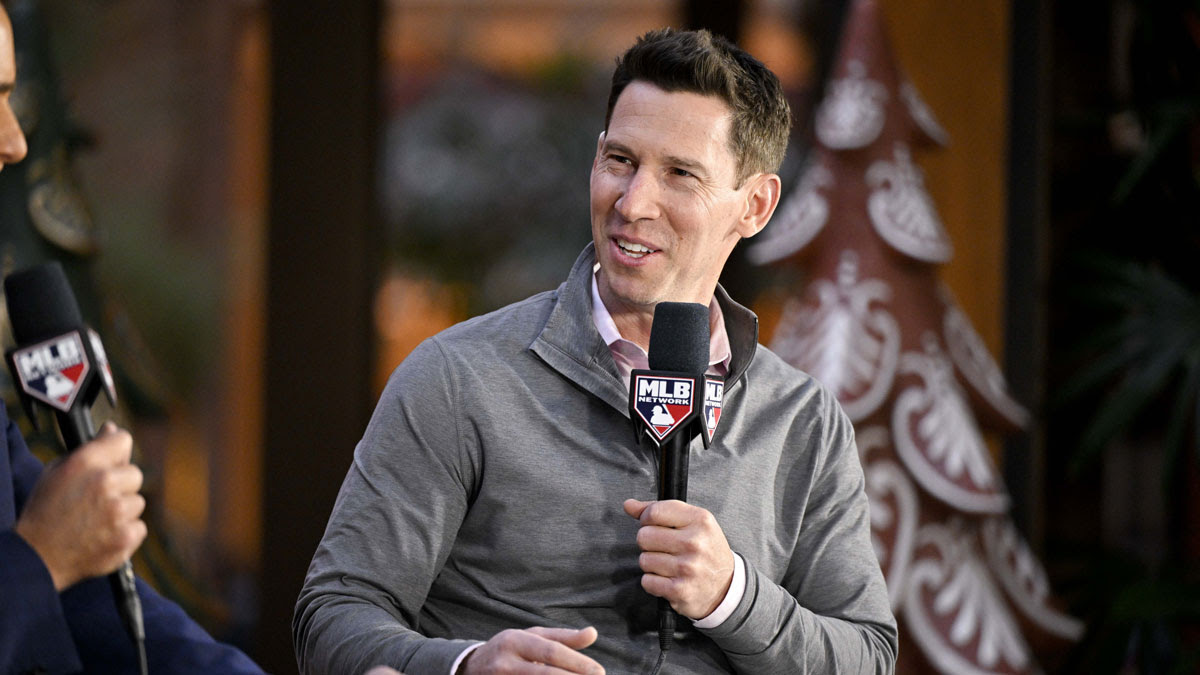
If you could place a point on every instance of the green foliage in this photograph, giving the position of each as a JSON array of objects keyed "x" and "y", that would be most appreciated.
[
  {"x": 1132, "y": 375},
  {"x": 1139, "y": 619},
  {"x": 1145, "y": 353}
]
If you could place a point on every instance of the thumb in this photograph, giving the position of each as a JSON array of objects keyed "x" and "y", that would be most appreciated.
[
  {"x": 113, "y": 446},
  {"x": 634, "y": 507}
]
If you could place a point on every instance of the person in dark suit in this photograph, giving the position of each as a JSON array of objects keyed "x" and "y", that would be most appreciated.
[{"x": 63, "y": 528}]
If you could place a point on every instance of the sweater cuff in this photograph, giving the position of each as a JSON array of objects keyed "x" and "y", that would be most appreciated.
[
  {"x": 762, "y": 612},
  {"x": 437, "y": 655},
  {"x": 463, "y": 657},
  {"x": 737, "y": 588}
]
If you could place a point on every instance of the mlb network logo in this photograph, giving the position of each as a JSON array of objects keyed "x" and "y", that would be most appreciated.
[
  {"x": 53, "y": 371},
  {"x": 663, "y": 402},
  {"x": 714, "y": 395}
]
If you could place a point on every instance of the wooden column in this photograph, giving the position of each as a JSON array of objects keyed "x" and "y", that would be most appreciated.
[
  {"x": 1028, "y": 218},
  {"x": 722, "y": 18},
  {"x": 320, "y": 269}
]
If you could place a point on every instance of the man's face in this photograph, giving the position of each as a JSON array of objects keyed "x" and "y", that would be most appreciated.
[
  {"x": 12, "y": 141},
  {"x": 665, "y": 210}
]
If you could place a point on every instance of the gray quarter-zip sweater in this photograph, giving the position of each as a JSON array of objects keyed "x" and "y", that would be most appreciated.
[{"x": 486, "y": 494}]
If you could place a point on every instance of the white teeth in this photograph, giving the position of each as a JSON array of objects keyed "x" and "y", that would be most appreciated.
[{"x": 633, "y": 250}]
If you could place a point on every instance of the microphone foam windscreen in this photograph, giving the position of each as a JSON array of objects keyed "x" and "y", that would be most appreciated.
[
  {"x": 679, "y": 338},
  {"x": 41, "y": 304}
]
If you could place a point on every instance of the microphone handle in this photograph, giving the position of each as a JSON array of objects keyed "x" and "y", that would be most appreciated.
[
  {"x": 77, "y": 428},
  {"x": 673, "y": 472},
  {"x": 672, "y": 484}
]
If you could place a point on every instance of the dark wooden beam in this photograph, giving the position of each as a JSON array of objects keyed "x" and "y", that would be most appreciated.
[
  {"x": 721, "y": 18},
  {"x": 321, "y": 269},
  {"x": 1028, "y": 226}
]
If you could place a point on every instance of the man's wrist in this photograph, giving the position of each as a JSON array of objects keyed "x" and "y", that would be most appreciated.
[
  {"x": 57, "y": 578},
  {"x": 737, "y": 588},
  {"x": 462, "y": 658}
]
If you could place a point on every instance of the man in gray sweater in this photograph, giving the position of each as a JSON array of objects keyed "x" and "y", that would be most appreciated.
[{"x": 499, "y": 515}]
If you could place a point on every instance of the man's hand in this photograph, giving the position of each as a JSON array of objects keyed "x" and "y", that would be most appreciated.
[
  {"x": 534, "y": 650},
  {"x": 84, "y": 516},
  {"x": 685, "y": 556}
]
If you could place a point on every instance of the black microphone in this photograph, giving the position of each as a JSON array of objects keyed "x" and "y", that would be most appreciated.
[
  {"x": 60, "y": 363},
  {"x": 666, "y": 403},
  {"x": 679, "y": 340}
]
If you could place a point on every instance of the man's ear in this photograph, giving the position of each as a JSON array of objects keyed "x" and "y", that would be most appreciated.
[{"x": 762, "y": 196}]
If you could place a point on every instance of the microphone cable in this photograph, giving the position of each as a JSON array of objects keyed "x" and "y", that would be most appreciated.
[{"x": 662, "y": 657}]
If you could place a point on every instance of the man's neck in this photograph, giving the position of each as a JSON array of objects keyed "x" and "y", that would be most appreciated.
[
  {"x": 633, "y": 322},
  {"x": 633, "y": 325}
]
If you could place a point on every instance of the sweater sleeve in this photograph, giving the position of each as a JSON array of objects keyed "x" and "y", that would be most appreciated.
[
  {"x": 174, "y": 642},
  {"x": 831, "y": 613},
  {"x": 390, "y": 531},
  {"x": 34, "y": 633},
  {"x": 42, "y": 630}
]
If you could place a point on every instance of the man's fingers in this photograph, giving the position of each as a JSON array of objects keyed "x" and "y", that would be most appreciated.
[
  {"x": 663, "y": 540},
  {"x": 549, "y": 647},
  {"x": 571, "y": 637},
  {"x": 544, "y": 669},
  {"x": 131, "y": 537},
  {"x": 122, "y": 480},
  {"x": 130, "y": 508},
  {"x": 685, "y": 556},
  {"x": 661, "y": 571},
  {"x": 661, "y": 564},
  {"x": 659, "y": 587}
]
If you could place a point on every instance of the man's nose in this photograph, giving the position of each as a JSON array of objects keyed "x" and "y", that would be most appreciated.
[
  {"x": 640, "y": 198},
  {"x": 12, "y": 140}
]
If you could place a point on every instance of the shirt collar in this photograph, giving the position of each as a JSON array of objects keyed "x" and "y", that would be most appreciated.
[{"x": 718, "y": 344}]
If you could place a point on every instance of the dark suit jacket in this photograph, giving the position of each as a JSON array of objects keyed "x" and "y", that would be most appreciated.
[{"x": 79, "y": 630}]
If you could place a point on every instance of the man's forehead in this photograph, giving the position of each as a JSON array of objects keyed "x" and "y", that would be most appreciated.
[
  {"x": 682, "y": 125},
  {"x": 640, "y": 90}
]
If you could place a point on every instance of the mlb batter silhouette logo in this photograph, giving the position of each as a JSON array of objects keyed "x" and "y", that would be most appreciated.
[
  {"x": 53, "y": 371},
  {"x": 714, "y": 395},
  {"x": 663, "y": 402}
]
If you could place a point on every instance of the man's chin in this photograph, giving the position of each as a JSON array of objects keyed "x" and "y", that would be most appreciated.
[{"x": 635, "y": 296}]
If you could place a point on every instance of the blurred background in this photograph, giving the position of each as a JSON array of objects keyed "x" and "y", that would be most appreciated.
[{"x": 268, "y": 204}]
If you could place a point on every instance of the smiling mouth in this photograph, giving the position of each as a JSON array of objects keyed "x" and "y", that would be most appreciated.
[{"x": 633, "y": 250}]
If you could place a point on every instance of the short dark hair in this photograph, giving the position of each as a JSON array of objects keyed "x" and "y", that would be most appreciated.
[{"x": 710, "y": 65}]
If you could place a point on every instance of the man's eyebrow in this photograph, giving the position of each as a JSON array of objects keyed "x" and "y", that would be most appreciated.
[
  {"x": 616, "y": 147},
  {"x": 689, "y": 165}
]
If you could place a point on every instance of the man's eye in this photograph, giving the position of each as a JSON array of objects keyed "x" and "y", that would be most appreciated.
[
  {"x": 681, "y": 172},
  {"x": 620, "y": 159}
]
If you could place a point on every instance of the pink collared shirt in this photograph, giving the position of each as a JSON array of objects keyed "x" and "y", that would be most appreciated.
[{"x": 630, "y": 357}]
